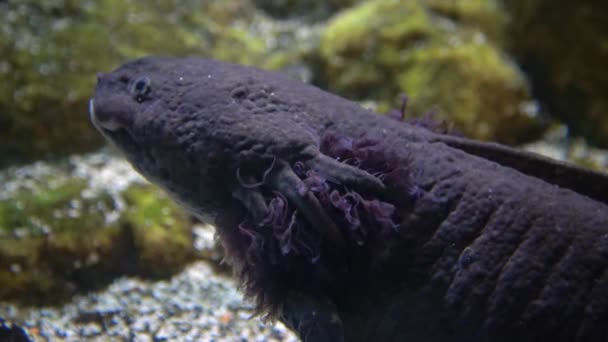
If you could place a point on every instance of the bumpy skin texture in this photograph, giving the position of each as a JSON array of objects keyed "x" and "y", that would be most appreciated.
[{"x": 487, "y": 243}]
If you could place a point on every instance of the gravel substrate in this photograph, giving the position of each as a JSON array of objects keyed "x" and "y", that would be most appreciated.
[{"x": 196, "y": 305}]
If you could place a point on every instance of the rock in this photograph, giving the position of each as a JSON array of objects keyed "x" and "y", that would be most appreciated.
[
  {"x": 563, "y": 46},
  {"x": 437, "y": 52},
  {"x": 78, "y": 224}
]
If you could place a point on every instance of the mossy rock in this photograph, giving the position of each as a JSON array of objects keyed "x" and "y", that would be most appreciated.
[
  {"x": 485, "y": 16},
  {"x": 473, "y": 86},
  {"x": 58, "y": 236},
  {"x": 563, "y": 45},
  {"x": 439, "y": 54},
  {"x": 51, "y": 51},
  {"x": 162, "y": 232}
]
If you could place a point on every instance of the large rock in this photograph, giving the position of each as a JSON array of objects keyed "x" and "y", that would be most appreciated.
[
  {"x": 563, "y": 45},
  {"x": 77, "y": 225},
  {"x": 444, "y": 54}
]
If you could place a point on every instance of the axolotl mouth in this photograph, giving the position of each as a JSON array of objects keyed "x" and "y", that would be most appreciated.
[{"x": 112, "y": 130}]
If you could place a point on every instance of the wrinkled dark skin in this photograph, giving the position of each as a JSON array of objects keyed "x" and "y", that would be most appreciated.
[{"x": 497, "y": 244}]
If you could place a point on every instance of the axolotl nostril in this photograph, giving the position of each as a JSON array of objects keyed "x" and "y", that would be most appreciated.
[{"x": 352, "y": 226}]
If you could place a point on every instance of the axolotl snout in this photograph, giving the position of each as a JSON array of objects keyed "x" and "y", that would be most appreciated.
[{"x": 352, "y": 226}]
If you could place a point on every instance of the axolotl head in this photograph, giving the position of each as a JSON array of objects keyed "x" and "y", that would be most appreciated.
[
  {"x": 176, "y": 122},
  {"x": 188, "y": 125}
]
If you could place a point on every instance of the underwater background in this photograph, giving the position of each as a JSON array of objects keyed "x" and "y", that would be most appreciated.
[{"x": 89, "y": 250}]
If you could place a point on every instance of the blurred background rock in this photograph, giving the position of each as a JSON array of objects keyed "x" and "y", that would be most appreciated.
[{"x": 72, "y": 219}]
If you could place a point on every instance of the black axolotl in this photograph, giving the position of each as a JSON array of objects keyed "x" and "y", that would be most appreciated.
[{"x": 351, "y": 226}]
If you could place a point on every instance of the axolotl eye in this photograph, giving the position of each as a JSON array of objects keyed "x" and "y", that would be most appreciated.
[{"x": 139, "y": 87}]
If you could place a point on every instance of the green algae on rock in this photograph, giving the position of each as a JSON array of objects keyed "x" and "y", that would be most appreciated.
[
  {"x": 162, "y": 232},
  {"x": 450, "y": 65},
  {"x": 475, "y": 86},
  {"x": 61, "y": 231},
  {"x": 483, "y": 15}
]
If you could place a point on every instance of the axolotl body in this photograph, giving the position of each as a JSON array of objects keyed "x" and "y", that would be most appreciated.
[{"x": 351, "y": 226}]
